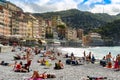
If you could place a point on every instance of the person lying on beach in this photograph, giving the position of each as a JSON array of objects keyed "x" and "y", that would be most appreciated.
[
  {"x": 42, "y": 61},
  {"x": 59, "y": 65},
  {"x": 96, "y": 78},
  {"x": 47, "y": 53},
  {"x": 36, "y": 75},
  {"x": 3, "y": 63},
  {"x": 20, "y": 68},
  {"x": 52, "y": 57},
  {"x": 17, "y": 57}
]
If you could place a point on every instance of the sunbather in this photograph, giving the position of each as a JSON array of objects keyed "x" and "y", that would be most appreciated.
[
  {"x": 36, "y": 75},
  {"x": 4, "y": 63},
  {"x": 59, "y": 65}
]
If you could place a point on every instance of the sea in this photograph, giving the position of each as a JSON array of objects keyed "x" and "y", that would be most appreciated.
[{"x": 98, "y": 52}]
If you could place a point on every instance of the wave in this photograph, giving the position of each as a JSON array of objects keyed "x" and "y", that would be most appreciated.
[{"x": 98, "y": 52}]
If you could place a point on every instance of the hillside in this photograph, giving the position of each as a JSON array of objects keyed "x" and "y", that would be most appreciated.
[
  {"x": 111, "y": 31},
  {"x": 79, "y": 19}
]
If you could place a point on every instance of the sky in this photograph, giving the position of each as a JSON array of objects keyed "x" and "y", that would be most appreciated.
[{"x": 111, "y": 7}]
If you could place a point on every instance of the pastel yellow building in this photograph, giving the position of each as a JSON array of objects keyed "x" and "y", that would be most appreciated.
[
  {"x": 71, "y": 34},
  {"x": 29, "y": 29},
  {"x": 4, "y": 21}
]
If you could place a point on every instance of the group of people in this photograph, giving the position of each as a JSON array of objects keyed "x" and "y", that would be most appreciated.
[
  {"x": 110, "y": 62},
  {"x": 72, "y": 60},
  {"x": 80, "y": 60},
  {"x": 107, "y": 61},
  {"x": 89, "y": 58},
  {"x": 20, "y": 67}
]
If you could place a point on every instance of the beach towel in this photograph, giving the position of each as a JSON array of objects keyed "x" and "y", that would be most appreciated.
[
  {"x": 47, "y": 64},
  {"x": 97, "y": 78},
  {"x": 35, "y": 79}
]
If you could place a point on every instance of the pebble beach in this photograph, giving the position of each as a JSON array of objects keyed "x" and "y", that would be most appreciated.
[{"x": 70, "y": 72}]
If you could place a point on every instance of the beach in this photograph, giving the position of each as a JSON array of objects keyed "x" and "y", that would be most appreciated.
[{"x": 70, "y": 72}]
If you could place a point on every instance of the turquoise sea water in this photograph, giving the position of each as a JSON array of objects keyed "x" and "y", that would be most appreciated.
[{"x": 98, "y": 52}]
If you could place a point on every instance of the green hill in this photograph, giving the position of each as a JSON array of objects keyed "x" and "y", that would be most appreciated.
[
  {"x": 111, "y": 32},
  {"x": 79, "y": 19}
]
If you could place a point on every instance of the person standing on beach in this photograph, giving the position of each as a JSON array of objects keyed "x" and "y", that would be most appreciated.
[
  {"x": 93, "y": 59},
  {"x": 89, "y": 56},
  {"x": 118, "y": 59},
  {"x": 108, "y": 57},
  {"x": 84, "y": 57},
  {"x": 109, "y": 62},
  {"x": 116, "y": 65}
]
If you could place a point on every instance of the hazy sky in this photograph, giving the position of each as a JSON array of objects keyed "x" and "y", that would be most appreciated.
[{"x": 111, "y": 7}]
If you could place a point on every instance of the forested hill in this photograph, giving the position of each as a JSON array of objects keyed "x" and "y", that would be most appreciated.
[
  {"x": 79, "y": 19},
  {"x": 111, "y": 32}
]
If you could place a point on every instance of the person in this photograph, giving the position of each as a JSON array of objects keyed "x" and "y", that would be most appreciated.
[
  {"x": 27, "y": 65},
  {"x": 66, "y": 55},
  {"x": 84, "y": 56},
  {"x": 35, "y": 74},
  {"x": 17, "y": 57},
  {"x": 58, "y": 54},
  {"x": 89, "y": 56},
  {"x": 52, "y": 57},
  {"x": 96, "y": 78},
  {"x": 72, "y": 54},
  {"x": 108, "y": 57},
  {"x": 87, "y": 59},
  {"x": 74, "y": 61},
  {"x": 28, "y": 55},
  {"x": 59, "y": 65},
  {"x": 116, "y": 65},
  {"x": 14, "y": 65},
  {"x": 118, "y": 59},
  {"x": 93, "y": 59},
  {"x": 36, "y": 50},
  {"x": 42, "y": 61},
  {"x": 103, "y": 62},
  {"x": 20, "y": 68},
  {"x": 4, "y": 63}
]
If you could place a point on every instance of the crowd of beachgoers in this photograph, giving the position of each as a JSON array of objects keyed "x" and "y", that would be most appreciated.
[{"x": 34, "y": 63}]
